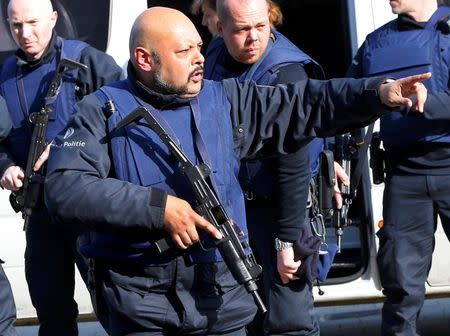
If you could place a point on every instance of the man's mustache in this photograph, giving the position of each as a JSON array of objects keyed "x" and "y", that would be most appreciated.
[{"x": 200, "y": 67}]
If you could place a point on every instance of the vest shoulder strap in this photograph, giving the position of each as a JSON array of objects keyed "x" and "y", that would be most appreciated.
[
  {"x": 440, "y": 14},
  {"x": 114, "y": 97},
  {"x": 72, "y": 49}
]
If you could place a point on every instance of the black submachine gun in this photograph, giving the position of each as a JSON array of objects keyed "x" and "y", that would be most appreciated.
[
  {"x": 243, "y": 266},
  {"x": 345, "y": 148},
  {"x": 29, "y": 196}
]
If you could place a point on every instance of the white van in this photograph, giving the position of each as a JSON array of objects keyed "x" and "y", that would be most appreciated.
[{"x": 330, "y": 31}]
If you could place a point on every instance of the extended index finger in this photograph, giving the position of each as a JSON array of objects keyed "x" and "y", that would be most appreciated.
[
  {"x": 416, "y": 78},
  {"x": 42, "y": 158},
  {"x": 203, "y": 224}
]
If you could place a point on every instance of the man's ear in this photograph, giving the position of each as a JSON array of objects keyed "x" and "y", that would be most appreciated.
[
  {"x": 53, "y": 19},
  {"x": 219, "y": 29},
  {"x": 143, "y": 59}
]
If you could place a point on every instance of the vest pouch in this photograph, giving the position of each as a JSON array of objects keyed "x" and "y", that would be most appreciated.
[
  {"x": 399, "y": 62},
  {"x": 397, "y": 128}
]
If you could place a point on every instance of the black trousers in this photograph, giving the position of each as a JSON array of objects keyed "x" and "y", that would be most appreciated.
[
  {"x": 7, "y": 306},
  {"x": 290, "y": 307},
  {"x": 50, "y": 258},
  {"x": 176, "y": 299},
  {"x": 411, "y": 205}
]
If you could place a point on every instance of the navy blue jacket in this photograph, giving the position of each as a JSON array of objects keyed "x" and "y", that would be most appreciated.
[
  {"x": 82, "y": 187},
  {"x": 278, "y": 184}
]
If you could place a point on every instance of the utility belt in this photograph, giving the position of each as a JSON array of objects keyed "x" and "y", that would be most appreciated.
[{"x": 135, "y": 269}]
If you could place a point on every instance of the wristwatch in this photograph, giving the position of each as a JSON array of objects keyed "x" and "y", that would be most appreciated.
[
  {"x": 388, "y": 80},
  {"x": 281, "y": 245}
]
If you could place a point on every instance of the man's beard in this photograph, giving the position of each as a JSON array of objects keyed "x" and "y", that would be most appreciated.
[{"x": 161, "y": 86}]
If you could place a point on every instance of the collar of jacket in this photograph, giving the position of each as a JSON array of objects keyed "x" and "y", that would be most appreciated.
[{"x": 405, "y": 22}]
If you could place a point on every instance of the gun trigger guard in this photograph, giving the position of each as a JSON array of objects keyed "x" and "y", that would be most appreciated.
[{"x": 206, "y": 249}]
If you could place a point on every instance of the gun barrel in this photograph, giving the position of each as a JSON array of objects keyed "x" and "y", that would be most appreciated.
[{"x": 259, "y": 302}]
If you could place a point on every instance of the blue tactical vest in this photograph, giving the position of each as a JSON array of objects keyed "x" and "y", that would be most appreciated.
[
  {"x": 397, "y": 53},
  {"x": 256, "y": 174},
  {"x": 25, "y": 92},
  {"x": 139, "y": 157}
]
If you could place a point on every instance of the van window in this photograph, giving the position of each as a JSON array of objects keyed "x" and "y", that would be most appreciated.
[{"x": 84, "y": 20}]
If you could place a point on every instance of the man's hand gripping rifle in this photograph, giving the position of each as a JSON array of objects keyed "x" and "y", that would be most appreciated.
[
  {"x": 30, "y": 195},
  {"x": 243, "y": 266}
]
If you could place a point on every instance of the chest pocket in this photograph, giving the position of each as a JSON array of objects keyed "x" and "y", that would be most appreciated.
[{"x": 398, "y": 60}]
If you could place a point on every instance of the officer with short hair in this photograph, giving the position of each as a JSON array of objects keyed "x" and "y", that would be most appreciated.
[
  {"x": 276, "y": 189},
  {"x": 417, "y": 152},
  {"x": 24, "y": 82},
  {"x": 128, "y": 191}
]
